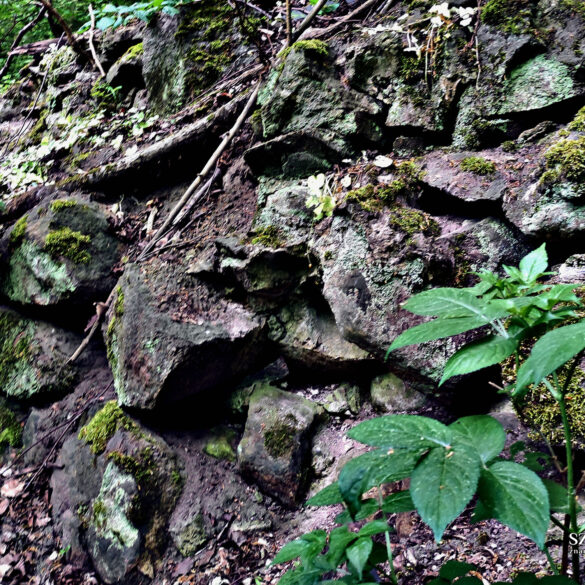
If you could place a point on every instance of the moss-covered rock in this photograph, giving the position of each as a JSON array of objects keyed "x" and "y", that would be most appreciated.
[
  {"x": 33, "y": 355},
  {"x": 274, "y": 447},
  {"x": 61, "y": 252},
  {"x": 114, "y": 494},
  {"x": 10, "y": 427}
]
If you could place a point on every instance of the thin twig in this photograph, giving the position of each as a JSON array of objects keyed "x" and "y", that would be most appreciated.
[
  {"x": 320, "y": 32},
  {"x": 254, "y": 7},
  {"x": 70, "y": 36},
  {"x": 289, "y": 38},
  {"x": 91, "y": 45},
  {"x": 210, "y": 163},
  {"x": 34, "y": 105},
  {"x": 308, "y": 20},
  {"x": 202, "y": 191},
  {"x": 19, "y": 37}
]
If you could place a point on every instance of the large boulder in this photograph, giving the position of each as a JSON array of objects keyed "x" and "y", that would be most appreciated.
[
  {"x": 60, "y": 253},
  {"x": 113, "y": 491},
  {"x": 170, "y": 336},
  {"x": 276, "y": 442},
  {"x": 186, "y": 53},
  {"x": 33, "y": 357}
]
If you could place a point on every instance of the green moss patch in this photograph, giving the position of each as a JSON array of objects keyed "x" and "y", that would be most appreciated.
[
  {"x": 10, "y": 428},
  {"x": 102, "y": 427},
  {"x": 133, "y": 52},
  {"x": 279, "y": 439},
  {"x": 578, "y": 122},
  {"x": 477, "y": 165},
  {"x": 509, "y": 16},
  {"x": 220, "y": 446},
  {"x": 373, "y": 198},
  {"x": 66, "y": 243},
  {"x": 18, "y": 231},
  {"x": 412, "y": 221},
  {"x": 141, "y": 467},
  {"x": 15, "y": 348},
  {"x": 565, "y": 160},
  {"x": 60, "y": 204},
  {"x": 269, "y": 236}
]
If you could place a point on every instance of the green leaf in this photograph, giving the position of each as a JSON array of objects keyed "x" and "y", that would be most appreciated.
[
  {"x": 478, "y": 355},
  {"x": 326, "y": 497},
  {"x": 484, "y": 433},
  {"x": 558, "y": 496},
  {"x": 290, "y": 551},
  {"x": 359, "y": 553},
  {"x": 398, "y": 502},
  {"x": 516, "y": 497},
  {"x": 372, "y": 469},
  {"x": 443, "y": 483},
  {"x": 534, "y": 264},
  {"x": 402, "y": 431},
  {"x": 338, "y": 540},
  {"x": 308, "y": 546},
  {"x": 452, "y": 302},
  {"x": 453, "y": 569},
  {"x": 550, "y": 352},
  {"x": 374, "y": 527},
  {"x": 437, "y": 329},
  {"x": 105, "y": 22}
]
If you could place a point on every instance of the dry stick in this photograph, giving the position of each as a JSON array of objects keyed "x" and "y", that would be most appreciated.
[
  {"x": 19, "y": 37},
  {"x": 91, "y": 46},
  {"x": 100, "y": 310},
  {"x": 23, "y": 128},
  {"x": 320, "y": 32},
  {"x": 204, "y": 189},
  {"x": 308, "y": 19},
  {"x": 289, "y": 38},
  {"x": 210, "y": 163},
  {"x": 70, "y": 36}
]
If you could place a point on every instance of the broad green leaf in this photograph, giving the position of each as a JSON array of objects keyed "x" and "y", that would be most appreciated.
[
  {"x": 478, "y": 355},
  {"x": 437, "y": 329},
  {"x": 401, "y": 431},
  {"x": 308, "y": 546},
  {"x": 453, "y": 569},
  {"x": 326, "y": 497},
  {"x": 104, "y": 22},
  {"x": 484, "y": 433},
  {"x": 534, "y": 264},
  {"x": 516, "y": 497},
  {"x": 290, "y": 551},
  {"x": 443, "y": 483},
  {"x": 564, "y": 293},
  {"x": 359, "y": 553},
  {"x": 534, "y": 461},
  {"x": 374, "y": 527},
  {"x": 338, "y": 540},
  {"x": 398, "y": 502},
  {"x": 451, "y": 302},
  {"x": 301, "y": 576},
  {"x": 558, "y": 496},
  {"x": 372, "y": 469},
  {"x": 550, "y": 352},
  {"x": 514, "y": 274}
]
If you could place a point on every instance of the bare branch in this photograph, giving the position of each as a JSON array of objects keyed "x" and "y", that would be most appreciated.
[{"x": 19, "y": 37}]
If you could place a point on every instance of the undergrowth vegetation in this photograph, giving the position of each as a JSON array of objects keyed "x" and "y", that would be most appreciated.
[{"x": 450, "y": 465}]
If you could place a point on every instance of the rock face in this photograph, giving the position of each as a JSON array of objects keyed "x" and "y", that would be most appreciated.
[
  {"x": 113, "y": 493},
  {"x": 33, "y": 355},
  {"x": 276, "y": 442},
  {"x": 60, "y": 252},
  {"x": 170, "y": 337}
]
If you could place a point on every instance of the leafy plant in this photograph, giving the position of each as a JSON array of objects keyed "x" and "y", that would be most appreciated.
[
  {"x": 111, "y": 16},
  {"x": 320, "y": 198},
  {"x": 449, "y": 465}
]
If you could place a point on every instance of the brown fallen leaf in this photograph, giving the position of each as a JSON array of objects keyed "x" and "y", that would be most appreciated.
[{"x": 12, "y": 488}]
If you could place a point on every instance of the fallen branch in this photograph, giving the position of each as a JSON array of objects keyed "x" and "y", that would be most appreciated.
[
  {"x": 320, "y": 32},
  {"x": 19, "y": 38},
  {"x": 47, "y": 460},
  {"x": 308, "y": 19},
  {"x": 210, "y": 163},
  {"x": 100, "y": 310},
  {"x": 70, "y": 36},
  {"x": 289, "y": 34},
  {"x": 91, "y": 45}
]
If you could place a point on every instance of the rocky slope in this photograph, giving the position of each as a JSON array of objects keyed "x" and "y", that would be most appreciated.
[{"x": 235, "y": 355}]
